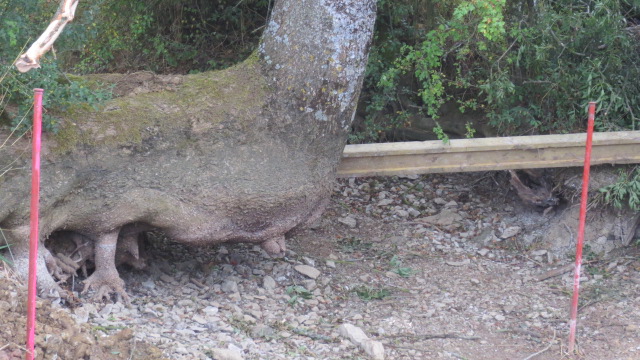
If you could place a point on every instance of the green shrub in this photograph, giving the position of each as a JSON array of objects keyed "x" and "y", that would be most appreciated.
[
  {"x": 22, "y": 21},
  {"x": 531, "y": 67},
  {"x": 625, "y": 191},
  {"x": 174, "y": 36}
]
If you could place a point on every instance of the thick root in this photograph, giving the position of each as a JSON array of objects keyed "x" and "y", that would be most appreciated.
[
  {"x": 129, "y": 249},
  {"x": 105, "y": 280},
  {"x": 47, "y": 286},
  {"x": 71, "y": 252},
  {"x": 275, "y": 247},
  {"x": 106, "y": 284}
]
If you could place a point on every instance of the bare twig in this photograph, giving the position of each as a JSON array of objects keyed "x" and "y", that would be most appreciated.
[
  {"x": 555, "y": 272},
  {"x": 520, "y": 332},
  {"x": 311, "y": 335},
  {"x": 133, "y": 348},
  {"x": 561, "y": 270},
  {"x": 8, "y": 246},
  {"x": 543, "y": 350},
  {"x": 433, "y": 336},
  {"x": 539, "y": 352},
  {"x": 14, "y": 130}
]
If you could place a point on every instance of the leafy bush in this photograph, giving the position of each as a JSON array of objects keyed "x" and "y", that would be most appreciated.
[
  {"x": 175, "y": 36},
  {"x": 625, "y": 191},
  {"x": 22, "y": 21},
  {"x": 532, "y": 67}
]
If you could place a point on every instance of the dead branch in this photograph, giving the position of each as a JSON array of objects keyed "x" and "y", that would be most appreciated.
[
  {"x": 434, "y": 336},
  {"x": 559, "y": 271},
  {"x": 543, "y": 350},
  {"x": 31, "y": 59},
  {"x": 555, "y": 272}
]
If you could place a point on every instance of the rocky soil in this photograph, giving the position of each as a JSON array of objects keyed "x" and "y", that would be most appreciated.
[{"x": 430, "y": 267}]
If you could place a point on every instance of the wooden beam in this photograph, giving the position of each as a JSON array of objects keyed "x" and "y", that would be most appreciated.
[{"x": 485, "y": 154}]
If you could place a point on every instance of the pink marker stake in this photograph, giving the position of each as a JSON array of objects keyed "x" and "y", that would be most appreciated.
[
  {"x": 583, "y": 216},
  {"x": 33, "y": 238}
]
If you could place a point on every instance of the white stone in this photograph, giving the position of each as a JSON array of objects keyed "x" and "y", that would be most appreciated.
[
  {"x": 483, "y": 252},
  {"x": 440, "y": 201},
  {"x": 374, "y": 349},
  {"x": 349, "y": 221},
  {"x": 226, "y": 354},
  {"x": 402, "y": 213},
  {"x": 385, "y": 202},
  {"x": 149, "y": 284},
  {"x": 199, "y": 319},
  {"x": 229, "y": 287},
  {"x": 269, "y": 283},
  {"x": 444, "y": 218},
  {"x": 451, "y": 203},
  {"x": 210, "y": 310},
  {"x": 458, "y": 263},
  {"x": 353, "y": 333},
  {"x": 510, "y": 232},
  {"x": 308, "y": 271},
  {"x": 309, "y": 284},
  {"x": 413, "y": 212},
  {"x": 539, "y": 252},
  {"x": 309, "y": 261}
]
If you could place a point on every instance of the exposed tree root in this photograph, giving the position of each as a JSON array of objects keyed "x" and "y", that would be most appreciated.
[
  {"x": 68, "y": 253},
  {"x": 533, "y": 187}
]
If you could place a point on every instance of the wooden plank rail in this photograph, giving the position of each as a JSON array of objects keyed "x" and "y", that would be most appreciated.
[{"x": 485, "y": 154}]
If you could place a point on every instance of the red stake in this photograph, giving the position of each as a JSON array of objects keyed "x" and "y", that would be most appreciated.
[
  {"x": 583, "y": 216},
  {"x": 33, "y": 237}
]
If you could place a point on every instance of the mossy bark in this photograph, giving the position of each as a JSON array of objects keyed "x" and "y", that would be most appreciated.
[{"x": 244, "y": 154}]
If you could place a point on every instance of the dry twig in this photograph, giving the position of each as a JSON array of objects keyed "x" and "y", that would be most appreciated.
[
  {"x": 433, "y": 336},
  {"x": 543, "y": 350}
]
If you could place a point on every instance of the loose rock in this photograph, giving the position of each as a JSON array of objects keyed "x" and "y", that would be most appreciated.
[
  {"x": 268, "y": 283},
  {"x": 225, "y": 354},
  {"x": 348, "y": 221},
  {"x": 308, "y": 271},
  {"x": 510, "y": 232},
  {"x": 373, "y": 348},
  {"x": 230, "y": 287}
]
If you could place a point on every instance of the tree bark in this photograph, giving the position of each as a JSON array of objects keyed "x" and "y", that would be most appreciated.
[{"x": 244, "y": 155}]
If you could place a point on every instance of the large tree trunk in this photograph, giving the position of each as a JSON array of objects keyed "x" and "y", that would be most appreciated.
[{"x": 245, "y": 154}]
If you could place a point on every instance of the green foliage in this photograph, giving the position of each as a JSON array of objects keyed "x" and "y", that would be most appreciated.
[
  {"x": 441, "y": 134},
  {"x": 532, "y": 67},
  {"x": 367, "y": 293},
  {"x": 165, "y": 35},
  {"x": 297, "y": 292},
  {"x": 396, "y": 266},
  {"x": 625, "y": 191},
  {"x": 354, "y": 245},
  {"x": 470, "y": 130},
  {"x": 3, "y": 247},
  {"x": 22, "y": 21},
  {"x": 2, "y": 258},
  {"x": 60, "y": 94}
]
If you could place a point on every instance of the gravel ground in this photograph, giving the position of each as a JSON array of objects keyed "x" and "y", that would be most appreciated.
[{"x": 430, "y": 267}]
